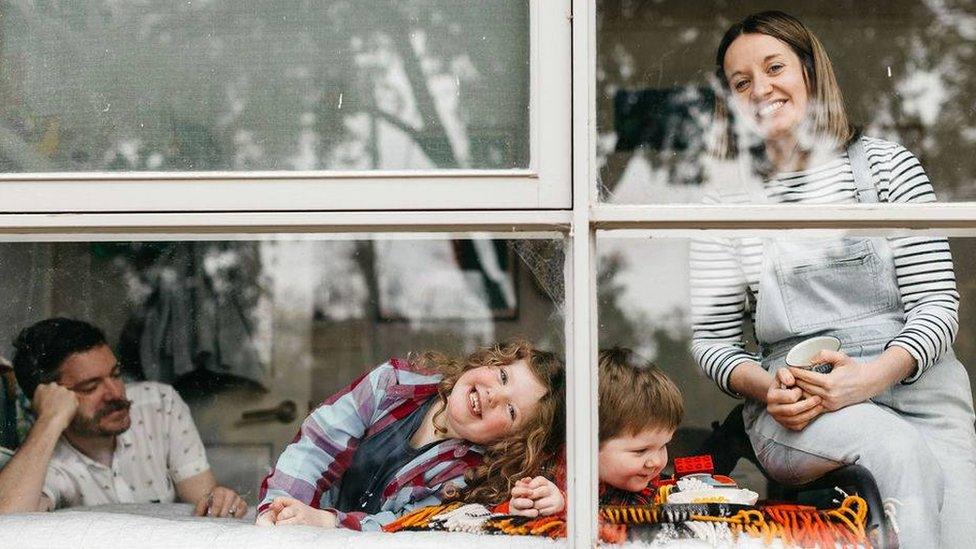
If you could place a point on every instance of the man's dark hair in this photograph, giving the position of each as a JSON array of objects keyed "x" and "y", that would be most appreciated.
[{"x": 40, "y": 349}]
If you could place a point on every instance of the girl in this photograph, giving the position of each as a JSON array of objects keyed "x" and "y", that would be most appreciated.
[
  {"x": 411, "y": 433},
  {"x": 892, "y": 302}
]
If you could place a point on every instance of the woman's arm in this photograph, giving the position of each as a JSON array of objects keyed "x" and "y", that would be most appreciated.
[
  {"x": 923, "y": 269},
  {"x": 718, "y": 309}
]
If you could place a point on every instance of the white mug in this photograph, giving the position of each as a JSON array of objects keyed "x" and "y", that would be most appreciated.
[{"x": 801, "y": 355}]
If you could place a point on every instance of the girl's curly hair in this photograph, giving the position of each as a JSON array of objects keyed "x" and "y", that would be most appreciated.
[{"x": 522, "y": 453}]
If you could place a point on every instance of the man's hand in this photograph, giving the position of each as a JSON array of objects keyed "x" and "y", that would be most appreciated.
[
  {"x": 533, "y": 497},
  {"x": 55, "y": 404},
  {"x": 289, "y": 511},
  {"x": 785, "y": 402},
  {"x": 221, "y": 502}
]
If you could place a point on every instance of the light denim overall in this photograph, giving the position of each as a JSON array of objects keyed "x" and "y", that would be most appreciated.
[{"x": 918, "y": 439}]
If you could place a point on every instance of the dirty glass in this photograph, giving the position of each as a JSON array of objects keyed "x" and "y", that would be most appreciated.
[
  {"x": 255, "y": 333},
  {"x": 905, "y": 70},
  {"x": 248, "y": 85}
]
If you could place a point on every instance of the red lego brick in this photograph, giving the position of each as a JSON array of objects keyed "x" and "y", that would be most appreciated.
[{"x": 693, "y": 464}]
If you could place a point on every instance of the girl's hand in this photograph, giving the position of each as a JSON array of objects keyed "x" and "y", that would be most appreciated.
[
  {"x": 846, "y": 384},
  {"x": 533, "y": 497},
  {"x": 521, "y": 503},
  {"x": 265, "y": 519},
  {"x": 289, "y": 511},
  {"x": 785, "y": 402}
]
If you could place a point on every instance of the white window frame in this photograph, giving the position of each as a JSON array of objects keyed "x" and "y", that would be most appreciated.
[
  {"x": 679, "y": 220},
  {"x": 92, "y": 206},
  {"x": 543, "y": 184}
]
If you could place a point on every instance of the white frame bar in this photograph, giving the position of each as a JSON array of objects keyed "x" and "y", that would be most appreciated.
[
  {"x": 275, "y": 222},
  {"x": 546, "y": 183},
  {"x": 793, "y": 216},
  {"x": 581, "y": 323}
]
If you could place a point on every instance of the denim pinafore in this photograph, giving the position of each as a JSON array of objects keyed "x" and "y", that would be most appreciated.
[{"x": 916, "y": 439}]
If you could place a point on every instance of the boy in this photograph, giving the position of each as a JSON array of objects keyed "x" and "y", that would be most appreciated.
[{"x": 640, "y": 408}]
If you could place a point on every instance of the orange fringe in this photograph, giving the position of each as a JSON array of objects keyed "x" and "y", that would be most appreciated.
[{"x": 795, "y": 524}]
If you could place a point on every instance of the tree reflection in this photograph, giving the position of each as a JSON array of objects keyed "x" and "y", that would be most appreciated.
[{"x": 247, "y": 85}]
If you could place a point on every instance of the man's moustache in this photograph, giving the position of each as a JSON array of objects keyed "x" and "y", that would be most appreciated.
[{"x": 114, "y": 406}]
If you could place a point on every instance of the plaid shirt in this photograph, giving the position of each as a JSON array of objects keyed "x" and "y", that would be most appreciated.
[{"x": 311, "y": 467}]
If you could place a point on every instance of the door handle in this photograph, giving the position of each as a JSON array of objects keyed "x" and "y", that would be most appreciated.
[{"x": 285, "y": 412}]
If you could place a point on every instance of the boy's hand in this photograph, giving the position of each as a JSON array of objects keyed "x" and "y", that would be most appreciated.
[
  {"x": 285, "y": 511},
  {"x": 533, "y": 497}
]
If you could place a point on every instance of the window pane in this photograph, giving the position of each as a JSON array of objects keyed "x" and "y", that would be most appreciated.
[
  {"x": 700, "y": 305},
  {"x": 906, "y": 76},
  {"x": 247, "y": 85},
  {"x": 255, "y": 334}
]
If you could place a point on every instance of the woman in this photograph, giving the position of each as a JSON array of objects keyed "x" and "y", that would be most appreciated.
[{"x": 897, "y": 401}]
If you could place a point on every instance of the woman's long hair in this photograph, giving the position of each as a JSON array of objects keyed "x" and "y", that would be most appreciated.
[
  {"x": 522, "y": 453},
  {"x": 829, "y": 117}
]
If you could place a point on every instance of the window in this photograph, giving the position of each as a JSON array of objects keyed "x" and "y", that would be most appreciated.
[
  {"x": 229, "y": 106},
  {"x": 255, "y": 331},
  {"x": 586, "y": 139},
  {"x": 904, "y": 77}
]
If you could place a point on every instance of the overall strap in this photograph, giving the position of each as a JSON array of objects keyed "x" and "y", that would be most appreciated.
[{"x": 867, "y": 193}]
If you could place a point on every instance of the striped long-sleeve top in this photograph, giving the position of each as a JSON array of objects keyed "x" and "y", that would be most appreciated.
[
  {"x": 726, "y": 270},
  {"x": 311, "y": 467}
]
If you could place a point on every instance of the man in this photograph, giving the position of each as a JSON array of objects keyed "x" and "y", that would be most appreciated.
[{"x": 91, "y": 445}]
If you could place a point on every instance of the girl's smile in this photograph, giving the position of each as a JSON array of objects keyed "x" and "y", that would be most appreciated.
[{"x": 489, "y": 402}]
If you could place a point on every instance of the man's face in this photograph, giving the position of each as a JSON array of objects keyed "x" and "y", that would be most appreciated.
[{"x": 95, "y": 377}]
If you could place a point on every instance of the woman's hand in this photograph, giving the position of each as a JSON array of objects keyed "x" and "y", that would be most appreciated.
[
  {"x": 846, "y": 384},
  {"x": 533, "y": 497},
  {"x": 786, "y": 403},
  {"x": 285, "y": 511}
]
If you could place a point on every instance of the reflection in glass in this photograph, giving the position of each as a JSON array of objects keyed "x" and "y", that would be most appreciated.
[
  {"x": 247, "y": 330},
  {"x": 288, "y": 85},
  {"x": 906, "y": 77}
]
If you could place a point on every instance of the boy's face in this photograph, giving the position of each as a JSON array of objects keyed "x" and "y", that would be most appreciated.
[{"x": 631, "y": 461}]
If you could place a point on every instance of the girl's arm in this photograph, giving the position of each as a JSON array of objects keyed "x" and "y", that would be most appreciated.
[{"x": 328, "y": 438}]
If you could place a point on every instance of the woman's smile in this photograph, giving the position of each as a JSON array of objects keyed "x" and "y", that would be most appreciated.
[
  {"x": 767, "y": 83},
  {"x": 769, "y": 108}
]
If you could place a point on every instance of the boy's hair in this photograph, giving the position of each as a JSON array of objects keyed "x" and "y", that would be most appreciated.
[
  {"x": 635, "y": 395},
  {"x": 522, "y": 453},
  {"x": 41, "y": 348}
]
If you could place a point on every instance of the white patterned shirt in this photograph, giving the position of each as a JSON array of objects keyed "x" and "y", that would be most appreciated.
[{"x": 160, "y": 449}]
